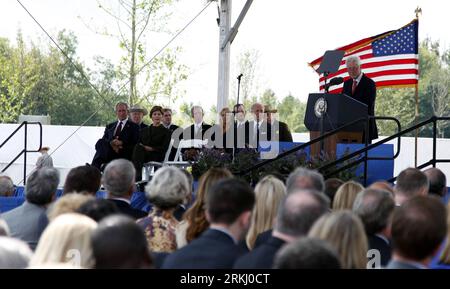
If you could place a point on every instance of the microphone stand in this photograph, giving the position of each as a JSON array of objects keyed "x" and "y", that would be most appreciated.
[
  {"x": 234, "y": 116},
  {"x": 322, "y": 145}
]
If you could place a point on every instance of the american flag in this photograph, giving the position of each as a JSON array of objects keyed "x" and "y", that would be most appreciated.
[{"x": 391, "y": 59}]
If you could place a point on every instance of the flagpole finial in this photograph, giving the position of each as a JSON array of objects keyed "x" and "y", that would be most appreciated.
[{"x": 418, "y": 12}]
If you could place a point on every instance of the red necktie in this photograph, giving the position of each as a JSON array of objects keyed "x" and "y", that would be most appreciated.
[
  {"x": 118, "y": 130},
  {"x": 354, "y": 86}
]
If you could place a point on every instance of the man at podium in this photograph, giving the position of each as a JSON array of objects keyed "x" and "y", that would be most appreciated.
[{"x": 363, "y": 89}]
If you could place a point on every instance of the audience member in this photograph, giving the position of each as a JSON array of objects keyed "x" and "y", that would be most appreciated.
[
  {"x": 269, "y": 192},
  {"x": 7, "y": 188},
  {"x": 410, "y": 182},
  {"x": 296, "y": 215},
  {"x": 85, "y": 179},
  {"x": 438, "y": 182},
  {"x": 418, "y": 228},
  {"x": 331, "y": 187},
  {"x": 166, "y": 191},
  {"x": 307, "y": 253},
  {"x": 305, "y": 179},
  {"x": 228, "y": 209},
  {"x": 67, "y": 239},
  {"x": 345, "y": 233},
  {"x": 118, "y": 180},
  {"x": 14, "y": 254},
  {"x": 345, "y": 195},
  {"x": 97, "y": 209},
  {"x": 383, "y": 186},
  {"x": 194, "y": 221},
  {"x": 119, "y": 243},
  {"x": 375, "y": 209},
  {"x": 28, "y": 221},
  {"x": 67, "y": 204}
]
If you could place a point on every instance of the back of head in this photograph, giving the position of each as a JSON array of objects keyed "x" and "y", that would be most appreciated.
[
  {"x": 307, "y": 253},
  {"x": 83, "y": 179},
  {"x": 269, "y": 193},
  {"x": 438, "y": 182},
  {"x": 6, "y": 186},
  {"x": 345, "y": 195},
  {"x": 418, "y": 227},
  {"x": 118, "y": 178},
  {"x": 66, "y": 240},
  {"x": 41, "y": 186},
  {"x": 118, "y": 242},
  {"x": 67, "y": 204},
  {"x": 168, "y": 188},
  {"x": 14, "y": 253},
  {"x": 305, "y": 179},
  {"x": 299, "y": 211},
  {"x": 331, "y": 187},
  {"x": 374, "y": 208},
  {"x": 411, "y": 182},
  {"x": 345, "y": 232},
  {"x": 97, "y": 209},
  {"x": 228, "y": 199},
  {"x": 383, "y": 186}
]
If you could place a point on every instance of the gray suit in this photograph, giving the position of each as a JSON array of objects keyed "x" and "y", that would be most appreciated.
[
  {"x": 401, "y": 265},
  {"x": 27, "y": 222}
]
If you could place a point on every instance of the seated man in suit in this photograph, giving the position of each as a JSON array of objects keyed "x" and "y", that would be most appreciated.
[
  {"x": 28, "y": 221},
  {"x": 241, "y": 127},
  {"x": 297, "y": 213},
  {"x": 167, "y": 123},
  {"x": 281, "y": 129},
  {"x": 259, "y": 129},
  {"x": 375, "y": 209},
  {"x": 363, "y": 89},
  {"x": 119, "y": 139},
  {"x": 118, "y": 180},
  {"x": 228, "y": 210},
  {"x": 137, "y": 114},
  {"x": 419, "y": 227},
  {"x": 198, "y": 129}
]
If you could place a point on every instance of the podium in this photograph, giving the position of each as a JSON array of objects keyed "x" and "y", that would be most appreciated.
[{"x": 326, "y": 112}]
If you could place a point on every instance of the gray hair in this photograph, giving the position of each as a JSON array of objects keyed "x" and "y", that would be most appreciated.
[
  {"x": 305, "y": 179},
  {"x": 168, "y": 188},
  {"x": 118, "y": 177},
  {"x": 300, "y": 210},
  {"x": 41, "y": 186},
  {"x": 353, "y": 59},
  {"x": 6, "y": 186},
  {"x": 374, "y": 207},
  {"x": 14, "y": 254}
]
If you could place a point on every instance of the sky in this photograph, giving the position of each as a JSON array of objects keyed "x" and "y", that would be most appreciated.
[{"x": 286, "y": 33}]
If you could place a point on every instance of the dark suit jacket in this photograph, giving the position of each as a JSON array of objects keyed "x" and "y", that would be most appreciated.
[
  {"x": 265, "y": 133},
  {"x": 366, "y": 93},
  {"x": 189, "y": 132},
  {"x": 282, "y": 132},
  {"x": 126, "y": 209},
  {"x": 384, "y": 248},
  {"x": 241, "y": 135},
  {"x": 142, "y": 126},
  {"x": 262, "y": 238},
  {"x": 129, "y": 135},
  {"x": 212, "y": 250},
  {"x": 261, "y": 257}
]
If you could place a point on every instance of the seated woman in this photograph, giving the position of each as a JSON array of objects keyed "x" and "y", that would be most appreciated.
[
  {"x": 153, "y": 142},
  {"x": 167, "y": 189},
  {"x": 220, "y": 130}
]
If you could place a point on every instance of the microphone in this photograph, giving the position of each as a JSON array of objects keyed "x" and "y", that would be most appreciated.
[
  {"x": 240, "y": 76},
  {"x": 335, "y": 81}
]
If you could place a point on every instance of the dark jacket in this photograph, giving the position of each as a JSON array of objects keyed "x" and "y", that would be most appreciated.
[
  {"x": 212, "y": 250},
  {"x": 261, "y": 257},
  {"x": 366, "y": 93},
  {"x": 129, "y": 135},
  {"x": 384, "y": 248},
  {"x": 126, "y": 209},
  {"x": 281, "y": 131}
]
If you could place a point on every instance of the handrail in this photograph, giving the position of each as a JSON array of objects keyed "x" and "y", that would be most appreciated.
[{"x": 25, "y": 149}]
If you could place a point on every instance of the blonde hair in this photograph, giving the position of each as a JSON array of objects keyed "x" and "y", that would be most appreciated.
[
  {"x": 269, "y": 192},
  {"x": 224, "y": 122},
  {"x": 67, "y": 204},
  {"x": 345, "y": 232},
  {"x": 346, "y": 195},
  {"x": 66, "y": 240},
  {"x": 445, "y": 255}
]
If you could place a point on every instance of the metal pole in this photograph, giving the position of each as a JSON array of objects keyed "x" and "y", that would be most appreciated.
[
  {"x": 416, "y": 119},
  {"x": 366, "y": 155},
  {"x": 434, "y": 140},
  {"x": 25, "y": 155},
  {"x": 224, "y": 55}
]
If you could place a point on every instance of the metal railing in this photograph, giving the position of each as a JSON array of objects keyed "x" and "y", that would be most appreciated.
[{"x": 25, "y": 146}]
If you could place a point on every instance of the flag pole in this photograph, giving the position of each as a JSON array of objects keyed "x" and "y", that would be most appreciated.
[{"x": 416, "y": 116}]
